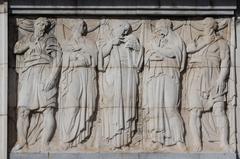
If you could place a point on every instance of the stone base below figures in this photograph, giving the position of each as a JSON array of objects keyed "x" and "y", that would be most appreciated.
[{"x": 123, "y": 156}]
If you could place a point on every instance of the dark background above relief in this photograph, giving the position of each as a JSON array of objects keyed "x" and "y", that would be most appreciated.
[{"x": 133, "y": 3}]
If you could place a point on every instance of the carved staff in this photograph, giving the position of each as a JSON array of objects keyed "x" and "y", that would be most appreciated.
[
  {"x": 101, "y": 33},
  {"x": 231, "y": 102},
  {"x": 141, "y": 39}
]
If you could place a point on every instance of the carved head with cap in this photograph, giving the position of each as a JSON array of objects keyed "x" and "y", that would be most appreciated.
[
  {"x": 41, "y": 25},
  {"x": 162, "y": 27},
  {"x": 210, "y": 26},
  {"x": 121, "y": 28}
]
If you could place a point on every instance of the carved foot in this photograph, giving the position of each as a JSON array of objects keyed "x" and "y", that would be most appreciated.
[
  {"x": 146, "y": 145},
  {"x": 45, "y": 148},
  {"x": 154, "y": 146},
  {"x": 125, "y": 148},
  {"x": 18, "y": 147},
  {"x": 227, "y": 148},
  {"x": 115, "y": 148},
  {"x": 197, "y": 148},
  {"x": 65, "y": 146},
  {"x": 181, "y": 147}
]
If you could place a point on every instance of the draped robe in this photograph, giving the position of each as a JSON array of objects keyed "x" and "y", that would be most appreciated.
[
  {"x": 162, "y": 87},
  {"x": 119, "y": 84},
  {"x": 78, "y": 91}
]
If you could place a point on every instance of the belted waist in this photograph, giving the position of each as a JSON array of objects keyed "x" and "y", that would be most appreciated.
[
  {"x": 211, "y": 60},
  {"x": 35, "y": 61},
  {"x": 40, "y": 57}
]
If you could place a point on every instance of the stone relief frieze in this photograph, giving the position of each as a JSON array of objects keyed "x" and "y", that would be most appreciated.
[
  {"x": 122, "y": 84},
  {"x": 38, "y": 76},
  {"x": 78, "y": 87},
  {"x": 207, "y": 75},
  {"x": 122, "y": 57},
  {"x": 164, "y": 61}
]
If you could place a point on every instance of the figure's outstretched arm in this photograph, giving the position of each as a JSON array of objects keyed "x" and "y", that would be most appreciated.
[
  {"x": 93, "y": 28},
  {"x": 21, "y": 47},
  {"x": 180, "y": 24},
  {"x": 225, "y": 61}
]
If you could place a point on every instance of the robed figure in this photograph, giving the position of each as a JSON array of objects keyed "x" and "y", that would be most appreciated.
[
  {"x": 165, "y": 59},
  {"x": 121, "y": 59},
  {"x": 78, "y": 88}
]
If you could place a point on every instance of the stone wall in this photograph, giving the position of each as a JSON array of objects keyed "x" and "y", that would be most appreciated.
[{"x": 122, "y": 79}]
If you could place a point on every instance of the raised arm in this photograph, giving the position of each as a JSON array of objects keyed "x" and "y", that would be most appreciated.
[
  {"x": 106, "y": 49},
  {"x": 93, "y": 28},
  {"x": 107, "y": 46},
  {"x": 225, "y": 60},
  {"x": 21, "y": 46}
]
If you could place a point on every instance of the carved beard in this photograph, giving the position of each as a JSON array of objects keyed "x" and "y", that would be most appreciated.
[
  {"x": 38, "y": 34},
  {"x": 162, "y": 40}
]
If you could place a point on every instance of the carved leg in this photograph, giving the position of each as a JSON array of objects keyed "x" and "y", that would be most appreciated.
[
  {"x": 222, "y": 125},
  {"x": 48, "y": 129},
  {"x": 195, "y": 129},
  {"x": 22, "y": 128},
  {"x": 65, "y": 146},
  {"x": 176, "y": 124}
]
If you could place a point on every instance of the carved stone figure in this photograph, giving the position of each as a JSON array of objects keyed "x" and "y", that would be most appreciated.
[
  {"x": 207, "y": 75},
  {"x": 164, "y": 61},
  {"x": 121, "y": 56},
  {"x": 38, "y": 85},
  {"x": 78, "y": 87}
]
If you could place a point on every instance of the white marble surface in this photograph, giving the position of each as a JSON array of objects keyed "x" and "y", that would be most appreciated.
[
  {"x": 3, "y": 81},
  {"x": 145, "y": 60},
  {"x": 3, "y": 63},
  {"x": 227, "y": 34},
  {"x": 238, "y": 77}
]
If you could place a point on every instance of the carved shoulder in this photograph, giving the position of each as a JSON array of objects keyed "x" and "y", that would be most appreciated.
[{"x": 132, "y": 42}]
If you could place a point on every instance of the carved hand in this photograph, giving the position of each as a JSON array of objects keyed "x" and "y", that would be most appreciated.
[
  {"x": 221, "y": 84},
  {"x": 116, "y": 41},
  {"x": 155, "y": 56},
  {"x": 49, "y": 84}
]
